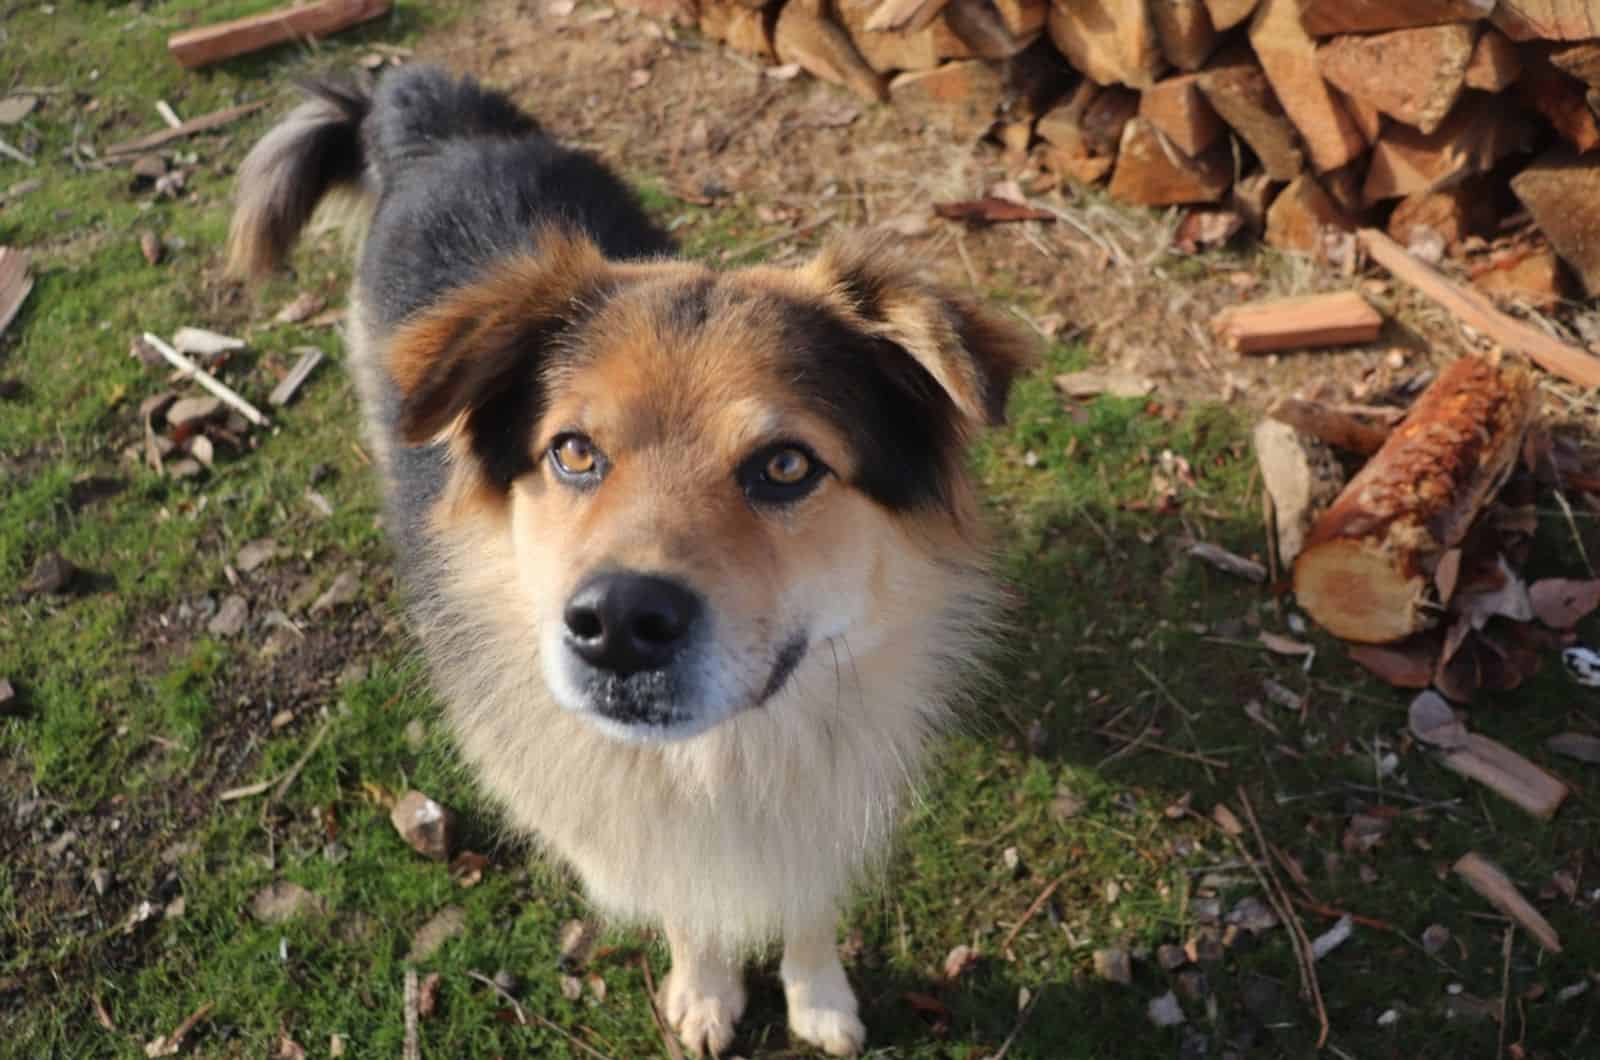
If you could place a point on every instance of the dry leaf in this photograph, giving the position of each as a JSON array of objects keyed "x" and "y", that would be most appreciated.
[
  {"x": 1561, "y": 602},
  {"x": 279, "y": 902},
  {"x": 467, "y": 868},
  {"x": 445, "y": 925},
  {"x": 428, "y": 995},
  {"x": 1408, "y": 664},
  {"x": 1203, "y": 228},
  {"x": 958, "y": 961},
  {"x": 1281, "y": 645},
  {"x": 1226, "y": 820},
  {"x": 305, "y": 305},
  {"x": 1433, "y": 721}
]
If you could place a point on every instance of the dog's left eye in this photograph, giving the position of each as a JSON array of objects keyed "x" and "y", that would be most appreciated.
[
  {"x": 779, "y": 474},
  {"x": 576, "y": 457}
]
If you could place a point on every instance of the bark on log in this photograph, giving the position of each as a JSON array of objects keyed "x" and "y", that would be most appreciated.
[{"x": 1367, "y": 564}]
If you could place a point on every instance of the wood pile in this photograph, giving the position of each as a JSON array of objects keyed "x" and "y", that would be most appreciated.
[{"x": 1438, "y": 118}]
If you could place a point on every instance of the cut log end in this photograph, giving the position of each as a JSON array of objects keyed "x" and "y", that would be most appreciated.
[{"x": 1360, "y": 593}]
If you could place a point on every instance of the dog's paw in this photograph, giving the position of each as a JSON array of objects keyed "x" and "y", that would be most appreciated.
[
  {"x": 703, "y": 1014},
  {"x": 836, "y": 1031}
]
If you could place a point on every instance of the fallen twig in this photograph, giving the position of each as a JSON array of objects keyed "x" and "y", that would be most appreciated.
[
  {"x": 1475, "y": 309},
  {"x": 792, "y": 233},
  {"x": 1284, "y": 907},
  {"x": 289, "y": 778},
  {"x": 1033, "y": 907},
  {"x": 168, "y": 1044},
  {"x": 205, "y": 379},
  {"x": 522, "y": 1016},
  {"x": 12, "y": 153},
  {"x": 1505, "y": 989},
  {"x": 1022, "y": 1021},
  {"x": 668, "y": 1039},
  {"x": 204, "y": 123}
]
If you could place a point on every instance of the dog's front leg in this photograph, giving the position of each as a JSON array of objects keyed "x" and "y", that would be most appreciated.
[
  {"x": 703, "y": 996},
  {"x": 822, "y": 1007}
]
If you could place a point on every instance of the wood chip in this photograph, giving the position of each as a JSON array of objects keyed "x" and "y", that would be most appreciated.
[
  {"x": 1583, "y": 747},
  {"x": 1490, "y": 881},
  {"x": 15, "y": 283},
  {"x": 285, "y": 391},
  {"x": 1092, "y": 384},
  {"x": 990, "y": 211},
  {"x": 201, "y": 342},
  {"x": 1338, "y": 318},
  {"x": 1228, "y": 562}
]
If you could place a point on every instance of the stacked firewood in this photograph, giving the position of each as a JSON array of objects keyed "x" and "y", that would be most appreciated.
[{"x": 1438, "y": 117}]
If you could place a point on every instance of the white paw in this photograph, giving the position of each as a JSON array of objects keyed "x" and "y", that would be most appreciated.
[
  {"x": 836, "y": 1031},
  {"x": 822, "y": 1011},
  {"x": 703, "y": 1013}
]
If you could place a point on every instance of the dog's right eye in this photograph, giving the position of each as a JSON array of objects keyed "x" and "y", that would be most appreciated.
[{"x": 575, "y": 457}]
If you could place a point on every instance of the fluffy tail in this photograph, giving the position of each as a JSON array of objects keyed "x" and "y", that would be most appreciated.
[
  {"x": 349, "y": 137},
  {"x": 314, "y": 151}
]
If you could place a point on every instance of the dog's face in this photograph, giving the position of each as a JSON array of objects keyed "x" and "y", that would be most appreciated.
[{"x": 707, "y": 478}]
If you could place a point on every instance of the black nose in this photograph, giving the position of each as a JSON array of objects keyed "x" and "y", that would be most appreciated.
[{"x": 628, "y": 623}]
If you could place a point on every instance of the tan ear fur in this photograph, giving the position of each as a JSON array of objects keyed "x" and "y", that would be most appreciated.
[{"x": 451, "y": 355}]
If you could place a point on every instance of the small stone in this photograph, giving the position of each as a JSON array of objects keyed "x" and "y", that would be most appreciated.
[
  {"x": 100, "y": 879},
  {"x": 151, "y": 247},
  {"x": 1114, "y": 965},
  {"x": 577, "y": 942},
  {"x": 1066, "y": 805},
  {"x": 416, "y": 734},
  {"x": 1011, "y": 858},
  {"x": 53, "y": 574},
  {"x": 1206, "y": 910},
  {"x": 571, "y": 987},
  {"x": 1165, "y": 1011},
  {"x": 445, "y": 925},
  {"x": 255, "y": 554},
  {"x": 1171, "y": 957},
  {"x": 341, "y": 592},
  {"x": 428, "y": 995},
  {"x": 1191, "y": 984},
  {"x": 10, "y": 702},
  {"x": 193, "y": 410},
  {"x": 1389, "y": 1018},
  {"x": 506, "y": 982},
  {"x": 1253, "y": 915},
  {"x": 282, "y": 901},
  {"x": 958, "y": 960},
  {"x": 424, "y": 824},
  {"x": 230, "y": 617},
  {"x": 1204, "y": 949}
]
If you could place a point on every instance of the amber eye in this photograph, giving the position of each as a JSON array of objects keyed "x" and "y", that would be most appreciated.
[
  {"x": 787, "y": 467},
  {"x": 781, "y": 473},
  {"x": 575, "y": 455}
]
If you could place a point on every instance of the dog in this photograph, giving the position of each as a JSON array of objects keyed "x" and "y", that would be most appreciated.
[{"x": 693, "y": 555}]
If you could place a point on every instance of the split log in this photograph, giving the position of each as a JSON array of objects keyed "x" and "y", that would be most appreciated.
[
  {"x": 1531, "y": 276},
  {"x": 744, "y": 29},
  {"x": 225, "y": 40},
  {"x": 1240, "y": 94},
  {"x": 1289, "y": 56},
  {"x": 1494, "y": 65},
  {"x": 1368, "y": 119},
  {"x": 1326, "y": 17},
  {"x": 1184, "y": 32},
  {"x": 1452, "y": 214},
  {"x": 1490, "y": 881},
  {"x": 1062, "y": 125},
  {"x": 1178, "y": 108},
  {"x": 1024, "y": 18},
  {"x": 1110, "y": 41},
  {"x": 1412, "y": 75},
  {"x": 963, "y": 97},
  {"x": 1354, "y": 428},
  {"x": 1338, "y": 318},
  {"x": 1563, "y": 102},
  {"x": 1301, "y": 477},
  {"x": 1578, "y": 60},
  {"x": 1478, "y": 132},
  {"x": 1301, "y": 214},
  {"x": 1562, "y": 192},
  {"x": 1367, "y": 563},
  {"x": 903, "y": 14},
  {"x": 1569, "y": 362},
  {"x": 1523, "y": 20},
  {"x": 980, "y": 27},
  {"x": 1226, "y": 14},
  {"x": 917, "y": 46},
  {"x": 823, "y": 50},
  {"x": 1151, "y": 171}
]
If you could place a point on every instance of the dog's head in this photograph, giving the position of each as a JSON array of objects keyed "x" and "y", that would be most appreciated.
[{"x": 708, "y": 478}]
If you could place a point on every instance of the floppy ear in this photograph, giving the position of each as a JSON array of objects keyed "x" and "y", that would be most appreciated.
[
  {"x": 482, "y": 340},
  {"x": 972, "y": 353}
]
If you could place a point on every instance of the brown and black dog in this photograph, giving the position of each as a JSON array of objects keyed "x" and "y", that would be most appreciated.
[{"x": 693, "y": 555}]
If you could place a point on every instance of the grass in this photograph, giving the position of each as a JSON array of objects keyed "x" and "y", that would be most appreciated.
[{"x": 136, "y": 719}]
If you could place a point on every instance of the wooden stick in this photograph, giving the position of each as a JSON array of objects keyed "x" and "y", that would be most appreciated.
[
  {"x": 1339, "y": 318},
  {"x": 210, "y": 44},
  {"x": 285, "y": 391},
  {"x": 412, "y": 1050},
  {"x": 668, "y": 1039},
  {"x": 168, "y": 115},
  {"x": 1354, "y": 428},
  {"x": 1485, "y": 877},
  {"x": 205, "y": 379},
  {"x": 1033, "y": 907},
  {"x": 1476, "y": 310},
  {"x": 1508, "y": 774},
  {"x": 204, "y": 123}
]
